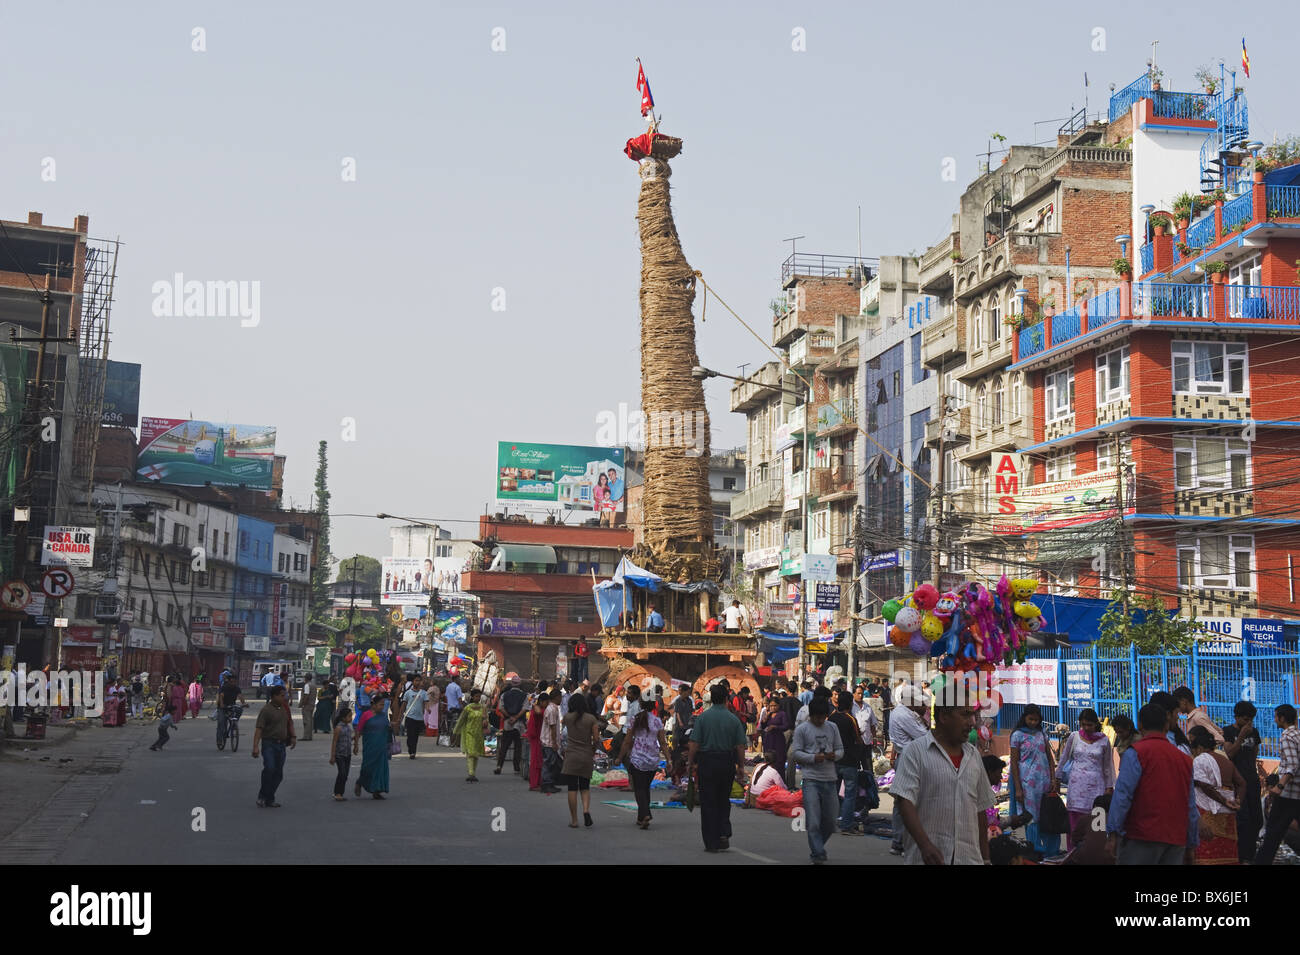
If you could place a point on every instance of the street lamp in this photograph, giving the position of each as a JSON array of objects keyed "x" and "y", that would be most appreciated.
[
  {"x": 537, "y": 672},
  {"x": 700, "y": 373}
]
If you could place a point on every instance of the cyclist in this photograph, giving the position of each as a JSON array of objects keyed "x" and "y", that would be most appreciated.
[{"x": 228, "y": 695}]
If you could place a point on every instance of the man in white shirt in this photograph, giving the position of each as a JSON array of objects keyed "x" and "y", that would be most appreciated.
[
  {"x": 454, "y": 695},
  {"x": 910, "y": 721},
  {"x": 732, "y": 618}
]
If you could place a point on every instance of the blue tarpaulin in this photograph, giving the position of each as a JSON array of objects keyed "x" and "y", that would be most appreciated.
[
  {"x": 1078, "y": 619},
  {"x": 778, "y": 647},
  {"x": 628, "y": 572}
]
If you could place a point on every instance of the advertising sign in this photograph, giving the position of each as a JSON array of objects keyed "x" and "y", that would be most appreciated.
[
  {"x": 140, "y": 638},
  {"x": 780, "y": 615},
  {"x": 509, "y": 627},
  {"x": 1233, "y": 634},
  {"x": 1078, "y": 682},
  {"x": 121, "y": 395},
  {"x": 828, "y": 596},
  {"x": 819, "y": 567},
  {"x": 762, "y": 557},
  {"x": 1034, "y": 681},
  {"x": 65, "y": 546},
  {"x": 790, "y": 490},
  {"x": 257, "y": 644},
  {"x": 406, "y": 581},
  {"x": 880, "y": 561},
  {"x": 199, "y": 453},
  {"x": 560, "y": 480},
  {"x": 1075, "y": 502}
]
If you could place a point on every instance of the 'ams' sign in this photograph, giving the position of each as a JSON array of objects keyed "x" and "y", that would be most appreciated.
[{"x": 1006, "y": 481}]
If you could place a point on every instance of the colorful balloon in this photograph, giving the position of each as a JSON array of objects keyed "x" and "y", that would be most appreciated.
[
  {"x": 932, "y": 627},
  {"x": 946, "y": 606},
  {"x": 1021, "y": 588},
  {"x": 925, "y": 597},
  {"x": 919, "y": 645},
  {"x": 898, "y": 637},
  {"x": 908, "y": 619},
  {"x": 1026, "y": 610},
  {"x": 890, "y": 609}
]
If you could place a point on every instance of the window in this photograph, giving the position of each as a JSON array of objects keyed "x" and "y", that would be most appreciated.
[
  {"x": 225, "y": 541},
  {"x": 170, "y": 613},
  {"x": 1112, "y": 376},
  {"x": 1211, "y": 464},
  {"x": 955, "y": 390},
  {"x": 201, "y": 579},
  {"x": 919, "y": 371},
  {"x": 214, "y": 543},
  {"x": 1246, "y": 272},
  {"x": 976, "y": 331},
  {"x": 1219, "y": 561},
  {"x": 982, "y": 406},
  {"x": 135, "y": 564},
  {"x": 257, "y": 548},
  {"x": 820, "y": 526},
  {"x": 155, "y": 612},
  {"x": 1059, "y": 466},
  {"x": 1058, "y": 394},
  {"x": 1106, "y": 453},
  {"x": 994, "y": 320},
  {"x": 999, "y": 399},
  {"x": 180, "y": 572},
  {"x": 158, "y": 568},
  {"x": 243, "y": 541},
  {"x": 955, "y": 474},
  {"x": 728, "y": 483},
  {"x": 1210, "y": 368},
  {"x": 898, "y": 383},
  {"x": 1013, "y": 400}
]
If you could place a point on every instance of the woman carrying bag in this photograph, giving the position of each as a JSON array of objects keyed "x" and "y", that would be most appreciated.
[
  {"x": 1087, "y": 768},
  {"x": 1031, "y": 777}
]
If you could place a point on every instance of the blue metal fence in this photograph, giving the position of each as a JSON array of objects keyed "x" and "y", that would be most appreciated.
[
  {"x": 1148, "y": 255},
  {"x": 1065, "y": 326},
  {"x": 1122, "y": 102},
  {"x": 1283, "y": 202},
  {"x": 1104, "y": 307},
  {"x": 1237, "y": 210},
  {"x": 1123, "y": 682},
  {"x": 1032, "y": 340},
  {"x": 1200, "y": 234}
]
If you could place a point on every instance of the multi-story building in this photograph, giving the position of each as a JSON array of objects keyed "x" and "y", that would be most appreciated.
[
  {"x": 1034, "y": 235},
  {"x": 898, "y": 395},
  {"x": 808, "y": 401},
  {"x": 534, "y": 587},
  {"x": 1178, "y": 389},
  {"x": 254, "y": 563},
  {"x": 726, "y": 480},
  {"x": 291, "y": 592}
]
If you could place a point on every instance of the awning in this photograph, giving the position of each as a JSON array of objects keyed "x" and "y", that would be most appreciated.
[
  {"x": 628, "y": 572},
  {"x": 524, "y": 554}
]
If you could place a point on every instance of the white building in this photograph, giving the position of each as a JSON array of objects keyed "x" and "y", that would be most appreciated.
[{"x": 291, "y": 592}]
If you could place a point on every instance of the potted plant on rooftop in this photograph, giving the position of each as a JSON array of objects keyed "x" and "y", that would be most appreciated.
[
  {"x": 1215, "y": 271},
  {"x": 1209, "y": 82},
  {"x": 1159, "y": 224},
  {"x": 1123, "y": 268}
]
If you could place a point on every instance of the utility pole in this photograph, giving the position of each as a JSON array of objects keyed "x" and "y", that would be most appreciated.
[
  {"x": 1119, "y": 516},
  {"x": 938, "y": 489},
  {"x": 112, "y": 574},
  {"x": 352, "y": 603}
]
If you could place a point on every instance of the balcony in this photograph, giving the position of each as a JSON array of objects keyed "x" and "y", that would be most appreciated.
[
  {"x": 990, "y": 264},
  {"x": 1012, "y": 433},
  {"x": 1159, "y": 304},
  {"x": 796, "y": 420},
  {"x": 833, "y": 484},
  {"x": 940, "y": 341},
  {"x": 757, "y": 498},
  {"x": 811, "y": 350},
  {"x": 758, "y": 390},
  {"x": 839, "y": 416},
  {"x": 936, "y": 263}
]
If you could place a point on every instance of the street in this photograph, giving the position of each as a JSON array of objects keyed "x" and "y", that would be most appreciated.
[{"x": 149, "y": 814}]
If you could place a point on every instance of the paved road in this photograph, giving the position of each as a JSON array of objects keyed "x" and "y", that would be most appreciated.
[{"x": 146, "y": 816}]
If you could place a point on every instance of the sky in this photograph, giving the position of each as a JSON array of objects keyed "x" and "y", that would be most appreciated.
[{"x": 216, "y": 140}]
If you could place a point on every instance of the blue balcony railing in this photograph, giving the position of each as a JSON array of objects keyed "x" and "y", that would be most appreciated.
[
  {"x": 1237, "y": 180},
  {"x": 1032, "y": 340},
  {"x": 1171, "y": 105},
  {"x": 1283, "y": 202},
  {"x": 1148, "y": 255},
  {"x": 1122, "y": 101},
  {"x": 1154, "y": 299},
  {"x": 1065, "y": 326},
  {"x": 1274, "y": 303},
  {"x": 1103, "y": 308},
  {"x": 1200, "y": 234},
  {"x": 1238, "y": 210}
]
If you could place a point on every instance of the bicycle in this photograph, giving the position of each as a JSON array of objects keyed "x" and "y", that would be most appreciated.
[{"x": 228, "y": 727}]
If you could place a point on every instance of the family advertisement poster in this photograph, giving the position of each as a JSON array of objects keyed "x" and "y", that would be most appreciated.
[
  {"x": 559, "y": 478},
  {"x": 197, "y": 453}
]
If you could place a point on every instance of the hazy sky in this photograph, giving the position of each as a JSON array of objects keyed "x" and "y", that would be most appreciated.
[{"x": 479, "y": 170}]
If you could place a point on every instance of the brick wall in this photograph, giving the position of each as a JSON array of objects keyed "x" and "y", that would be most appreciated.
[
  {"x": 820, "y": 300},
  {"x": 1150, "y": 374},
  {"x": 1278, "y": 266},
  {"x": 1273, "y": 570},
  {"x": 1093, "y": 218}
]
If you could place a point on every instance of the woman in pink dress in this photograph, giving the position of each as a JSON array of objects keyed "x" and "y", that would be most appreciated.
[
  {"x": 600, "y": 497},
  {"x": 196, "y": 698},
  {"x": 179, "y": 697}
]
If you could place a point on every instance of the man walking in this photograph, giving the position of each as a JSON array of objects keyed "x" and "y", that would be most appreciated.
[
  {"x": 1154, "y": 805},
  {"x": 271, "y": 736},
  {"x": 1286, "y": 794},
  {"x": 911, "y": 722},
  {"x": 817, "y": 748},
  {"x": 551, "y": 743},
  {"x": 1241, "y": 745},
  {"x": 717, "y": 748},
  {"x": 307, "y": 705},
  {"x": 455, "y": 703},
  {"x": 848, "y": 764},
  {"x": 580, "y": 654},
  {"x": 415, "y": 702},
  {"x": 511, "y": 712},
  {"x": 942, "y": 791}
]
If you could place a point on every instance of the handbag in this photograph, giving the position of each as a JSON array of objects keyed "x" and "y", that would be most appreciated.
[
  {"x": 1067, "y": 761},
  {"x": 394, "y": 743},
  {"x": 1052, "y": 816}
]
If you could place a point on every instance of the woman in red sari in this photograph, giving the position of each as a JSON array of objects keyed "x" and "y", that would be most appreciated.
[
  {"x": 179, "y": 697},
  {"x": 534, "y": 734},
  {"x": 1218, "y": 803}
]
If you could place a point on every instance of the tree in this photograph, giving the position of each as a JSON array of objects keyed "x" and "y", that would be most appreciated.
[
  {"x": 366, "y": 571},
  {"x": 1149, "y": 626},
  {"x": 320, "y": 595}
]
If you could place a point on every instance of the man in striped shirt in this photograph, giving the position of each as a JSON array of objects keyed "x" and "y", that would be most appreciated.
[
  {"x": 1286, "y": 794},
  {"x": 942, "y": 792}
]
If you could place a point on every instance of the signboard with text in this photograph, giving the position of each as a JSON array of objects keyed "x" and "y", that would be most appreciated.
[
  {"x": 1034, "y": 681},
  {"x": 65, "y": 546},
  {"x": 559, "y": 479}
]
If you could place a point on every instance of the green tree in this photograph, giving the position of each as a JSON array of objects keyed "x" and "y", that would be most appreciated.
[
  {"x": 366, "y": 571},
  {"x": 1148, "y": 625},
  {"x": 320, "y": 595}
]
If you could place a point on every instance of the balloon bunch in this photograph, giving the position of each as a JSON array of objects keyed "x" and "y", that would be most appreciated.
[
  {"x": 967, "y": 628},
  {"x": 367, "y": 668}
]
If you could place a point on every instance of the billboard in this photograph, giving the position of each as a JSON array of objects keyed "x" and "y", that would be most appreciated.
[
  {"x": 560, "y": 479},
  {"x": 66, "y": 546},
  {"x": 406, "y": 581},
  {"x": 121, "y": 395},
  {"x": 198, "y": 453},
  {"x": 1074, "y": 502}
]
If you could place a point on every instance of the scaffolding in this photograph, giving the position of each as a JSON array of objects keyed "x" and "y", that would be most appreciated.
[{"x": 92, "y": 353}]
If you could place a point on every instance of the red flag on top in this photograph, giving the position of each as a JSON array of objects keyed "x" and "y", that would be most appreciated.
[
  {"x": 1245, "y": 58},
  {"x": 643, "y": 87}
]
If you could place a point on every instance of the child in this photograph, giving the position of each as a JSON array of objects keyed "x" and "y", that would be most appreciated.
[
  {"x": 341, "y": 750},
  {"x": 165, "y": 726},
  {"x": 1000, "y": 825}
]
